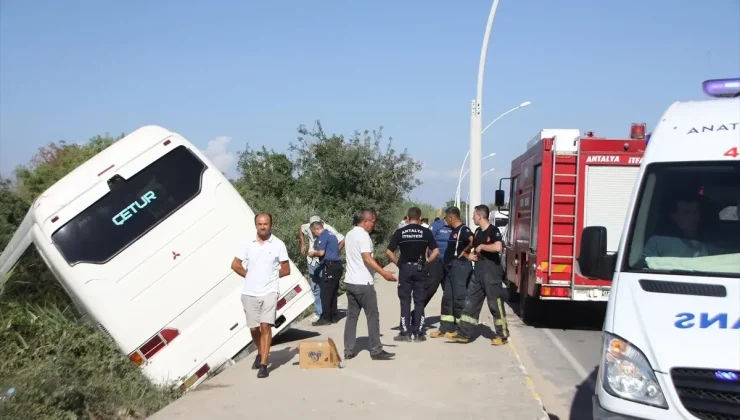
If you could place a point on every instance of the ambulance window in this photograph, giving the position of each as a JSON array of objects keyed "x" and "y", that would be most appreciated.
[{"x": 686, "y": 220}]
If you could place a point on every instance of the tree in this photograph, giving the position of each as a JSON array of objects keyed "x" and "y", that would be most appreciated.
[
  {"x": 265, "y": 174},
  {"x": 354, "y": 173},
  {"x": 13, "y": 209}
]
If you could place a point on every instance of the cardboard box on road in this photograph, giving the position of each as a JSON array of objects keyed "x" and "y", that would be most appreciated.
[{"x": 318, "y": 354}]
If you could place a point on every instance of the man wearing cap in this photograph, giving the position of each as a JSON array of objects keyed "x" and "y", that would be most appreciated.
[
  {"x": 326, "y": 248},
  {"x": 315, "y": 272}
]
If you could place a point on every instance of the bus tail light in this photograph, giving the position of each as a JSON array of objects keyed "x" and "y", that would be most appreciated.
[
  {"x": 153, "y": 346},
  {"x": 194, "y": 378},
  {"x": 290, "y": 295},
  {"x": 561, "y": 292}
]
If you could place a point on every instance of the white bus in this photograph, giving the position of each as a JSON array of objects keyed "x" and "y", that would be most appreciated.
[{"x": 142, "y": 237}]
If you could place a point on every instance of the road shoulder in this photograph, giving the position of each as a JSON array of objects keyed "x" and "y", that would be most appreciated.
[{"x": 434, "y": 379}]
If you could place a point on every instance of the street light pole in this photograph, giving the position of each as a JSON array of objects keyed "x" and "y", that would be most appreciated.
[{"x": 475, "y": 118}]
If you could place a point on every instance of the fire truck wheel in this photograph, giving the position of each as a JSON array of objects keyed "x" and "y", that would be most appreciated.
[
  {"x": 513, "y": 292},
  {"x": 529, "y": 307}
]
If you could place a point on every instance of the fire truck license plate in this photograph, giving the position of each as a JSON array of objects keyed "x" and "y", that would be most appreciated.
[
  {"x": 599, "y": 294},
  {"x": 592, "y": 294}
]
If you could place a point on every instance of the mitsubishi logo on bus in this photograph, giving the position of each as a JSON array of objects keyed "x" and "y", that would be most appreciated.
[
  {"x": 133, "y": 208},
  {"x": 175, "y": 255}
]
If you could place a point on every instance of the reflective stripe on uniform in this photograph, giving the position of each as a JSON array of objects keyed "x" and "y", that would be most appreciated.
[
  {"x": 469, "y": 319},
  {"x": 447, "y": 318},
  {"x": 502, "y": 321}
]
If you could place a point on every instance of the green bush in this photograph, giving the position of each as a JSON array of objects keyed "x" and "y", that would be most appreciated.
[{"x": 64, "y": 370}]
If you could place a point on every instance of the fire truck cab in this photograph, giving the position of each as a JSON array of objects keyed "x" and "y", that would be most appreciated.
[{"x": 562, "y": 183}]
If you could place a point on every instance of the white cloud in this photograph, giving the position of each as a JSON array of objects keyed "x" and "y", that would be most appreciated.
[{"x": 218, "y": 152}]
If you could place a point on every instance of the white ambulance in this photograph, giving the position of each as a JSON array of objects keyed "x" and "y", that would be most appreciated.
[{"x": 672, "y": 328}]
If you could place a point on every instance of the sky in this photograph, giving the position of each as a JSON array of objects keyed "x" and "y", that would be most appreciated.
[{"x": 226, "y": 74}]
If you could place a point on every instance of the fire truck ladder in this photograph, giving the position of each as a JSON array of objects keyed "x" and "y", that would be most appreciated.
[{"x": 566, "y": 181}]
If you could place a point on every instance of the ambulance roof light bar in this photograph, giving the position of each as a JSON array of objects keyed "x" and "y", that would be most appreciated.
[{"x": 722, "y": 88}]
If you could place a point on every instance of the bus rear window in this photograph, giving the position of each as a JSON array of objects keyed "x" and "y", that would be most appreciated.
[{"x": 132, "y": 208}]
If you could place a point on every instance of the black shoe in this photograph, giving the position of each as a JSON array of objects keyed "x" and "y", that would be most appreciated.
[
  {"x": 263, "y": 373},
  {"x": 256, "y": 363},
  {"x": 320, "y": 323},
  {"x": 420, "y": 337},
  {"x": 348, "y": 356},
  {"x": 402, "y": 337},
  {"x": 383, "y": 355}
]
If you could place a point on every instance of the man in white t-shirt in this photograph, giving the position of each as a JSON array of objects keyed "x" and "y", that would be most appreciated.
[
  {"x": 360, "y": 288},
  {"x": 261, "y": 261}
]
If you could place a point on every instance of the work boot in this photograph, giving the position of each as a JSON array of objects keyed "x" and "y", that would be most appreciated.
[
  {"x": 383, "y": 355},
  {"x": 437, "y": 334},
  {"x": 256, "y": 364},
  {"x": 321, "y": 323},
  {"x": 402, "y": 337},
  {"x": 457, "y": 338},
  {"x": 499, "y": 341},
  {"x": 263, "y": 372}
]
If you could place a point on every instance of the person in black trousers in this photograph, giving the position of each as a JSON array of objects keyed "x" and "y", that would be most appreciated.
[
  {"x": 486, "y": 284},
  {"x": 326, "y": 248},
  {"x": 413, "y": 240}
]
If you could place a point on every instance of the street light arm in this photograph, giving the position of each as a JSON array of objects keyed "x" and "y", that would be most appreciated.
[
  {"x": 459, "y": 180},
  {"x": 500, "y": 116}
]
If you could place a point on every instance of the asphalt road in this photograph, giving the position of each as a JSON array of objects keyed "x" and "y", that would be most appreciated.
[{"x": 562, "y": 356}]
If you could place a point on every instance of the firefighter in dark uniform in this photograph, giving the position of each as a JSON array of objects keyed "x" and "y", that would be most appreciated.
[
  {"x": 487, "y": 282},
  {"x": 459, "y": 270},
  {"x": 413, "y": 240}
]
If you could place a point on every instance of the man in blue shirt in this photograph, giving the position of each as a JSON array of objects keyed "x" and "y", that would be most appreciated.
[
  {"x": 326, "y": 248},
  {"x": 437, "y": 271}
]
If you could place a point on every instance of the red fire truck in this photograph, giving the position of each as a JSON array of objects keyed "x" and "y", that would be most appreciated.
[{"x": 561, "y": 184}]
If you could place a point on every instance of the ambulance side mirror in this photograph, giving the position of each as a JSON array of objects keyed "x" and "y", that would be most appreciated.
[
  {"x": 593, "y": 261},
  {"x": 500, "y": 198}
]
